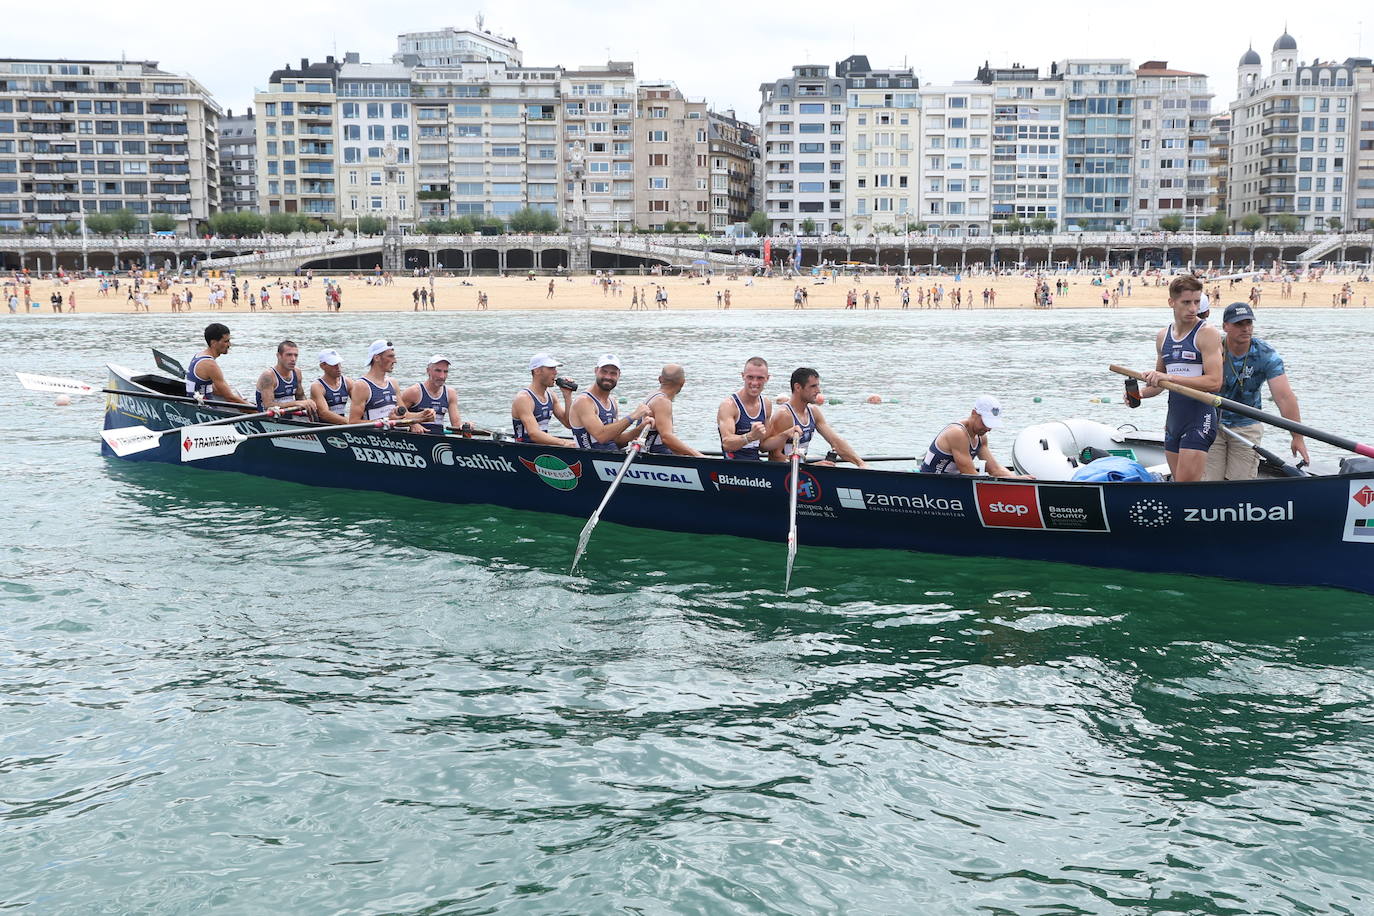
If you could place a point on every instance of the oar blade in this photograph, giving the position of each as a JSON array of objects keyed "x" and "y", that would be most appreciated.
[
  {"x": 585, "y": 537},
  {"x": 209, "y": 442},
  {"x": 168, "y": 364},
  {"x": 130, "y": 440},
  {"x": 49, "y": 383}
]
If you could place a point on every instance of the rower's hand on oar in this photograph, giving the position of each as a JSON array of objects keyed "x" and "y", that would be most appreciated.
[
  {"x": 1300, "y": 448},
  {"x": 1154, "y": 377}
]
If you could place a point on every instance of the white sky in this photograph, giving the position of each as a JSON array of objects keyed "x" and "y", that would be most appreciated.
[{"x": 717, "y": 51}]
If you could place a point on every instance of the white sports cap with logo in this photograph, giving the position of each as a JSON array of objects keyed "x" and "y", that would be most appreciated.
[
  {"x": 329, "y": 358},
  {"x": 436, "y": 358},
  {"x": 990, "y": 409},
  {"x": 608, "y": 359},
  {"x": 377, "y": 347},
  {"x": 543, "y": 360}
]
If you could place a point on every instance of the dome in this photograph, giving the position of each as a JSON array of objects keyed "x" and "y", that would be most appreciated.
[
  {"x": 1250, "y": 59},
  {"x": 1285, "y": 43}
]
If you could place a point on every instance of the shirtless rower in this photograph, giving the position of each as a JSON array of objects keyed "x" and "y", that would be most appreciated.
[
  {"x": 798, "y": 418},
  {"x": 1188, "y": 353},
  {"x": 532, "y": 407},
  {"x": 281, "y": 385},
  {"x": 204, "y": 378},
  {"x": 435, "y": 394},
  {"x": 330, "y": 390},
  {"x": 372, "y": 396},
  {"x": 958, "y": 444},
  {"x": 743, "y": 416},
  {"x": 596, "y": 423},
  {"x": 663, "y": 441}
]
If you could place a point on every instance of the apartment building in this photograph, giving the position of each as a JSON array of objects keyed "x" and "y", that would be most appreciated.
[
  {"x": 734, "y": 152},
  {"x": 956, "y": 158},
  {"x": 1174, "y": 174},
  {"x": 92, "y": 136},
  {"x": 238, "y": 162},
  {"x": 1219, "y": 151},
  {"x": 671, "y": 164},
  {"x": 1362, "y": 198},
  {"x": 1027, "y": 143},
  {"x": 802, "y": 119},
  {"x": 450, "y": 47},
  {"x": 598, "y": 146},
  {"x": 882, "y": 154},
  {"x": 1099, "y": 144},
  {"x": 376, "y": 175},
  {"x": 297, "y": 128}
]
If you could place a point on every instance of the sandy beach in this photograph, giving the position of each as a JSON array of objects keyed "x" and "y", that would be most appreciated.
[{"x": 584, "y": 292}]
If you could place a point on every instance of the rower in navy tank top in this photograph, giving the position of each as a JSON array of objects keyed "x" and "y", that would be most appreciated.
[
  {"x": 744, "y": 423},
  {"x": 807, "y": 429},
  {"x": 285, "y": 389},
  {"x": 653, "y": 443},
  {"x": 336, "y": 399},
  {"x": 197, "y": 387},
  {"x": 438, "y": 404},
  {"x": 543, "y": 412},
  {"x": 381, "y": 401},
  {"x": 606, "y": 413},
  {"x": 1189, "y": 423},
  {"x": 939, "y": 461},
  {"x": 203, "y": 376}
]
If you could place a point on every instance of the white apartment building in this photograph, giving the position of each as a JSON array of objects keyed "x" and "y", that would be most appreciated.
[
  {"x": 598, "y": 146},
  {"x": 297, "y": 140},
  {"x": 92, "y": 136},
  {"x": 449, "y": 47},
  {"x": 802, "y": 121},
  {"x": 376, "y": 142},
  {"x": 956, "y": 158},
  {"x": 1174, "y": 174},
  {"x": 238, "y": 161},
  {"x": 1362, "y": 199},
  {"x": 882, "y": 162},
  {"x": 1027, "y": 143}
]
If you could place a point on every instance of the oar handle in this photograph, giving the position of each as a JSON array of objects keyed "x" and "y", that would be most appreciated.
[
  {"x": 328, "y": 428},
  {"x": 1245, "y": 410}
]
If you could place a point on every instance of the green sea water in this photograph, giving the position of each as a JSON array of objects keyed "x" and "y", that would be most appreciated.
[{"x": 221, "y": 693}]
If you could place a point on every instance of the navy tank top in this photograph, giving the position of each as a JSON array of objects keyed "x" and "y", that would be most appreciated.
[
  {"x": 1183, "y": 358},
  {"x": 197, "y": 387},
  {"x": 606, "y": 414},
  {"x": 286, "y": 389},
  {"x": 543, "y": 410},
  {"x": 653, "y": 443},
  {"x": 750, "y": 450},
  {"x": 939, "y": 461},
  {"x": 439, "y": 405},
  {"x": 336, "y": 399},
  {"x": 807, "y": 429},
  {"x": 381, "y": 400}
]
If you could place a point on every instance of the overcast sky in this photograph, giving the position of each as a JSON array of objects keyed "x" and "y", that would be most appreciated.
[{"x": 719, "y": 52}]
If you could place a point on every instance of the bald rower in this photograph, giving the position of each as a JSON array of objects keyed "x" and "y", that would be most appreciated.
[{"x": 663, "y": 440}]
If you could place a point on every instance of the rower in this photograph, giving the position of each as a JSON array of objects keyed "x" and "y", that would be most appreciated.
[
  {"x": 434, "y": 394},
  {"x": 957, "y": 445},
  {"x": 1189, "y": 354},
  {"x": 662, "y": 440},
  {"x": 204, "y": 378},
  {"x": 799, "y": 418},
  {"x": 532, "y": 407},
  {"x": 596, "y": 423},
  {"x": 372, "y": 396},
  {"x": 743, "y": 416},
  {"x": 281, "y": 385},
  {"x": 330, "y": 390}
]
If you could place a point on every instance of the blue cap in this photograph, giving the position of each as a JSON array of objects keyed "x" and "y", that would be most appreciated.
[{"x": 1238, "y": 311}]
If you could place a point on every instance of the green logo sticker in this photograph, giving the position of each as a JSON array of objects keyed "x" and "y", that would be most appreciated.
[{"x": 555, "y": 472}]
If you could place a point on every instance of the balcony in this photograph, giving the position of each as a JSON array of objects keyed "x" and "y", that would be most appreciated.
[
  {"x": 1279, "y": 151},
  {"x": 1276, "y": 208},
  {"x": 1278, "y": 170},
  {"x": 1271, "y": 189},
  {"x": 1279, "y": 129},
  {"x": 1270, "y": 110}
]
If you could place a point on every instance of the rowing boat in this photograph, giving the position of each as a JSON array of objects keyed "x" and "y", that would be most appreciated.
[{"x": 1283, "y": 531}]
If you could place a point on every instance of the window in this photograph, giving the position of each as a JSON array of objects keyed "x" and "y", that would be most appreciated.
[
  {"x": 658, "y": 136},
  {"x": 658, "y": 184}
]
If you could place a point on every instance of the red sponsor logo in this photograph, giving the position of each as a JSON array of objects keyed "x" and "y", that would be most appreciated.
[
  {"x": 186, "y": 446},
  {"x": 1002, "y": 505},
  {"x": 808, "y": 487},
  {"x": 1364, "y": 496}
]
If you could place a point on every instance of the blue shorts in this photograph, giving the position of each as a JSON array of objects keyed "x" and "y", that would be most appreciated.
[{"x": 1198, "y": 435}]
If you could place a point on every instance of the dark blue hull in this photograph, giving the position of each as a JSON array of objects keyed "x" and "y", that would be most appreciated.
[{"x": 1284, "y": 531}]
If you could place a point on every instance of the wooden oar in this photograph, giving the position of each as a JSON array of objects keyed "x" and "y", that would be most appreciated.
[
  {"x": 168, "y": 364},
  {"x": 1289, "y": 470},
  {"x": 792, "y": 518},
  {"x": 197, "y": 444},
  {"x": 130, "y": 440},
  {"x": 1245, "y": 410},
  {"x": 635, "y": 448}
]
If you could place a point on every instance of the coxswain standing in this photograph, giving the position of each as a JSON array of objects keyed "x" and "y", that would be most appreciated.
[
  {"x": 281, "y": 385},
  {"x": 372, "y": 396},
  {"x": 330, "y": 390},
  {"x": 435, "y": 394},
  {"x": 204, "y": 378},
  {"x": 799, "y": 418},
  {"x": 955, "y": 447},
  {"x": 743, "y": 416},
  {"x": 595, "y": 419},
  {"x": 1189, "y": 354},
  {"x": 662, "y": 440},
  {"x": 533, "y": 407}
]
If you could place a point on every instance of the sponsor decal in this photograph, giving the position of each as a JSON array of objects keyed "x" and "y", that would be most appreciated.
[
  {"x": 336, "y": 442},
  {"x": 808, "y": 488},
  {"x": 292, "y": 443},
  {"x": 375, "y": 441},
  {"x": 383, "y": 456},
  {"x": 555, "y": 472},
  {"x": 1042, "y": 506},
  {"x": 176, "y": 418},
  {"x": 724, "y": 480},
  {"x": 1359, "y": 513},
  {"x": 443, "y": 454},
  {"x": 1153, "y": 513},
  {"x": 673, "y": 478},
  {"x": 207, "y": 440},
  {"x": 131, "y": 406},
  {"x": 1150, "y": 513},
  {"x": 921, "y": 504}
]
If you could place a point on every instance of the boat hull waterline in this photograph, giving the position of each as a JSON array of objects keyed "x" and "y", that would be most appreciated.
[{"x": 1281, "y": 531}]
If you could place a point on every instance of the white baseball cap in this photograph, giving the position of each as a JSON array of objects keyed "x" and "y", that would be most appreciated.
[
  {"x": 990, "y": 409},
  {"x": 329, "y": 358},
  {"x": 608, "y": 359},
  {"x": 378, "y": 347},
  {"x": 1204, "y": 305},
  {"x": 541, "y": 360},
  {"x": 436, "y": 358}
]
